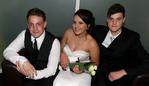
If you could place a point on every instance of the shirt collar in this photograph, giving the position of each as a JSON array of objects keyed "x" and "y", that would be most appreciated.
[
  {"x": 110, "y": 34},
  {"x": 39, "y": 39}
]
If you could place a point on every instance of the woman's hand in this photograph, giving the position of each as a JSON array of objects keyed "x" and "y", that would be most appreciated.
[
  {"x": 76, "y": 69},
  {"x": 64, "y": 60}
]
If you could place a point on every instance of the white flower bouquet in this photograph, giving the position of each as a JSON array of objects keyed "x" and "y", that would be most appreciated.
[{"x": 88, "y": 67}]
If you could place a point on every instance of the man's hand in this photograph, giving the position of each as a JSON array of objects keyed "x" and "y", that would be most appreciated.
[
  {"x": 64, "y": 60},
  {"x": 117, "y": 75},
  {"x": 26, "y": 69}
]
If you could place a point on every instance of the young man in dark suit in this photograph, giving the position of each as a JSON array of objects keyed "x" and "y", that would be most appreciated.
[{"x": 122, "y": 54}]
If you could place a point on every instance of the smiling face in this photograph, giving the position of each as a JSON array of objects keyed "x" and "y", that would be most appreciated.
[
  {"x": 36, "y": 25},
  {"x": 115, "y": 22},
  {"x": 79, "y": 26}
]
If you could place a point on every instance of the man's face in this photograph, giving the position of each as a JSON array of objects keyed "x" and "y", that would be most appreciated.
[
  {"x": 36, "y": 25},
  {"x": 115, "y": 22}
]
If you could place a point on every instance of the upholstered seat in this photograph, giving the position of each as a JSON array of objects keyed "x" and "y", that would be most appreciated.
[{"x": 141, "y": 80}]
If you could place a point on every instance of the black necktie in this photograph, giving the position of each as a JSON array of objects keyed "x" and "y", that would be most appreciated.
[{"x": 35, "y": 45}]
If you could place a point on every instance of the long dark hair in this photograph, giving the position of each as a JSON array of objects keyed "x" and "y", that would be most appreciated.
[{"x": 87, "y": 17}]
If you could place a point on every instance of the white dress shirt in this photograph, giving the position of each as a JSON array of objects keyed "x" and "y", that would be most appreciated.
[
  {"x": 109, "y": 39},
  {"x": 10, "y": 53}
]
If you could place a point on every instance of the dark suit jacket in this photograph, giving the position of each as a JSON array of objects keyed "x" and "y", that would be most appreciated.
[{"x": 125, "y": 52}]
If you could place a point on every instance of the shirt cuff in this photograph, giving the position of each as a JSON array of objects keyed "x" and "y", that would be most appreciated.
[{"x": 22, "y": 60}]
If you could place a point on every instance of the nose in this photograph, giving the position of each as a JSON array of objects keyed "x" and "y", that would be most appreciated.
[
  {"x": 114, "y": 22},
  {"x": 35, "y": 27},
  {"x": 76, "y": 25}
]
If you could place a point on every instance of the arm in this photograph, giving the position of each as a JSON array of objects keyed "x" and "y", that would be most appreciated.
[
  {"x": 140, "y": 54},
  {"x": 11, "y": 52},
  {"x": 94, "y": 52},
  {"x": 63, "y": 57},
  {"x": 115, "y": 75},
  {"x": 52, "y": 62}
]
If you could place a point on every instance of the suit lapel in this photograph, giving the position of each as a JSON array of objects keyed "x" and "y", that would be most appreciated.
[{"x": 119, "y": 41}]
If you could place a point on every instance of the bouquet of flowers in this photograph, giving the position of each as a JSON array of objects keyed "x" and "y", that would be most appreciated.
[{"x": 88, "y": 67}]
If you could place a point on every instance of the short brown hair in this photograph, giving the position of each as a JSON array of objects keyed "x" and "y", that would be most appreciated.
[
  {"x": 116, "y": 8},
  {"x": 37, "y": 12}
]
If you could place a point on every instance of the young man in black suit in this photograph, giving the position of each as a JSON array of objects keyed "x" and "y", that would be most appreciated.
[{"x": 122, "y": 54}]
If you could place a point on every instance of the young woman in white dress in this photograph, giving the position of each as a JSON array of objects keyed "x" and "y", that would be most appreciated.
[{"x": 77, "y": 43}]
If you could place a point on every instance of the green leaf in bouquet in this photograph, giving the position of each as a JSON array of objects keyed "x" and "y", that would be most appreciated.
[
  {"x": 71, "y": 65},
  {"x": 87, "y": 64},
  {"x": 81, "y": 65},
  {"x": 88, "y": 67}
]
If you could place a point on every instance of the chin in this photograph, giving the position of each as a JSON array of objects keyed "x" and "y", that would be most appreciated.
[
  {"x": 36, "y": 36},
  {"x": 77, "y": 34}
]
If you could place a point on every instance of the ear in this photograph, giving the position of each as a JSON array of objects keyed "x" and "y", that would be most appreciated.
[
  {"x": 45, "y": 24},
  {"x": 107, "y": 19},
  {"x": 27, "y": 25},
  {"x": 124, "y": 19},
  {"x": 88, "y": 26}
]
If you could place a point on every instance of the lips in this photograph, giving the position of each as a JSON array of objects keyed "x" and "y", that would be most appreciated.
[
  {"x": 114, "y": 26},
  {"x": 35, "y": 32}
]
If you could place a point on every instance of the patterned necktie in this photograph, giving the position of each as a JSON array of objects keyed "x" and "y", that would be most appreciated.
[{"x": 111, "y": 38}]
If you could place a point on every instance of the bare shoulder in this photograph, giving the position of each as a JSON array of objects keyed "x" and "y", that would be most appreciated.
[
  {"x": 67, "y": 35},
  {"x": 68, "y": 30},
  {"x": 92, "y": 41}
]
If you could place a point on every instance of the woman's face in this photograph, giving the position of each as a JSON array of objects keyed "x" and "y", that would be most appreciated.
[
  {"x": 79, "y": 26},
  {"x": 36, "y": 25}
]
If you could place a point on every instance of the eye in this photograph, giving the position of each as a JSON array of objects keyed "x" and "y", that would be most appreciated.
[
  {"x": 80, "y": 22},
  {"x": 30, "y": 25},
  {"x": 119, "y": 19},
  {"x": 74, "y": 22},
  {"x": 110, "y": 19},
  {"x": 38, "y": 24}
]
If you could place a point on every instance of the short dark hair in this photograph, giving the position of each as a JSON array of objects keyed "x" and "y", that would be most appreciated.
[
  {"x": 116, "y": 8},
  {"x": 37, "y": 12},
  {"x": 86, "y": 16}
]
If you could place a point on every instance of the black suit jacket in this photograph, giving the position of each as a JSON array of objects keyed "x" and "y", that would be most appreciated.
[{"x": 125, "y": 52}]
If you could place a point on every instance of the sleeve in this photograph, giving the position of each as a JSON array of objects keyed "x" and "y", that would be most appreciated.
[
  {"x": 11, "y": 52},
  {"x": 52, "y": 62},
  {"x": 142, "y": 55}
]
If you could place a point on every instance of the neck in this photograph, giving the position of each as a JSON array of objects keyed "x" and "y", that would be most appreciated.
[
  {"x": 114, "y": 33},
  {"x": 81, "y": 37}
]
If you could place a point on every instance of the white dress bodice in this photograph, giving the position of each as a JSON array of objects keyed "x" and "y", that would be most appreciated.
[
  {"x": 74, "y": 55},
  {"x": 68, "y": 78}
]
